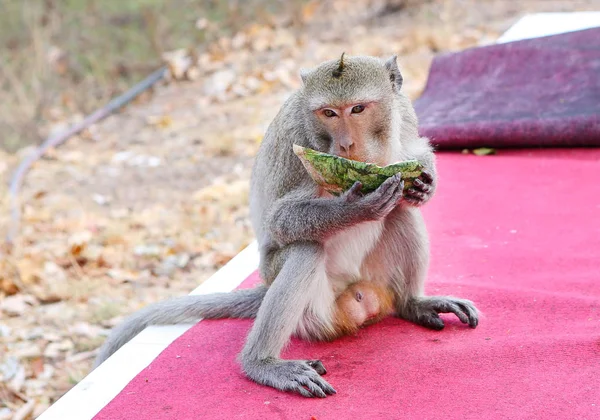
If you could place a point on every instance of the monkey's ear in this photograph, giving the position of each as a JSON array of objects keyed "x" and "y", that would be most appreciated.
[
  {"x": 304, "y": 73},
  {"x": 391, "y": 66}
]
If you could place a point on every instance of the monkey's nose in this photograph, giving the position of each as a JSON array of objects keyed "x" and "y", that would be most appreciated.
[{"x": 346, "y": 147}]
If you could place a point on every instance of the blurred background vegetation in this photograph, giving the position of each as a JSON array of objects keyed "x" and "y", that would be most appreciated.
[{"x": 53, "y": 50}]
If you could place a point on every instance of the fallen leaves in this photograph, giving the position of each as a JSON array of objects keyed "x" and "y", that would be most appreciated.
[
  {"x": 17, "y": 305},
  {"x": 160, "y": 121},
  {"x": 181, "y": 64},
  {"x": 10, "y": 282}
]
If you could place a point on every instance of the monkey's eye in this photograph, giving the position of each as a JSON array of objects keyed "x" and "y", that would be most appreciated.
[
  {"x": 329, "y": 113},
  {"x": 357, "y": 109},
  {"x": 359, "y": 296}
]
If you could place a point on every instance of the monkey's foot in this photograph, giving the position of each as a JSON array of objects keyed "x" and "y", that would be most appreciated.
[
  {"x": 301, "y": 376},
  {"x": 424, "y": 311},
  {"x": 421, "y": 190}
]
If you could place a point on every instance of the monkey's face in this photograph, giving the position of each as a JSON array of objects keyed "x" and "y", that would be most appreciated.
[
  {"x": 358, "y": 130},
  {"x": 352, "y": 106}
]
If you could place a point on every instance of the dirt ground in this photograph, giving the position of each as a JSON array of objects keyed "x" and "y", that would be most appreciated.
[{"x": 149, "y": 203}]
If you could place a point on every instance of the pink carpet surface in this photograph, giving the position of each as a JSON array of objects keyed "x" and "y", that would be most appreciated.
[
  {"x": 519, "y": 234},
  {"x": 529, "y": 93}
]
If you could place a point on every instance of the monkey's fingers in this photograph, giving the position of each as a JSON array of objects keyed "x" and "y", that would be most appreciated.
[
  {"x": 388, "y": 186},
  {"x": 416, "y": 198},
  {"x": 388, "y": 194},
  {"x": 421, "y": 186},
  {"x": 427, "y": 177},
  {"x": 416, "y": 195},
  {"x": 395, "y": 197},
  {"x": 354, "y": 193}
]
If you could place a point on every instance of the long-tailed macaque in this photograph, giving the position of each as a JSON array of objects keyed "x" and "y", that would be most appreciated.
[{"x": 329, "y": 264}]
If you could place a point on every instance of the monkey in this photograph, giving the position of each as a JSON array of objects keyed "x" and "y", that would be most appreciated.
[
  {"x": 361, "y": 304},
  {"x": 316, "y": 250}
]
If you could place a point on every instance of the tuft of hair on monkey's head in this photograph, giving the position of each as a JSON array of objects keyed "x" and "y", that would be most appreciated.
[
  {"x": 337, "y": 73},
  {"x": 351, "y": 78}
]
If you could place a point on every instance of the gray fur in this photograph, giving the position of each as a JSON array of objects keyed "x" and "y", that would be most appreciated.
[
  {"x": 281, "y": 311},
  {"x": 286, "y": 208},
  {"x": 313, "y": 246},
  {"x": 243, "y": 303},
  {"x": 394, "y": 73}
]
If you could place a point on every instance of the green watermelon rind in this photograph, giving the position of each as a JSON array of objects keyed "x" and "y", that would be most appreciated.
[{"x": 337, "y": 174}]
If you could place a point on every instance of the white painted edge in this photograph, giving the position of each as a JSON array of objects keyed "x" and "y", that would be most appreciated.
[
  {"x": 544, "y": 24},
  {"x": 100, "y": 386}
]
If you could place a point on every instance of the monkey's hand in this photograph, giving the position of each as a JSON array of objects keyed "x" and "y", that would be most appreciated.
[
  {"x": 379, "y": 203},
  {"x": 301, "y": 376},
  {"x": 421, "y": 191},
  {"x": 424, "y": 311}
]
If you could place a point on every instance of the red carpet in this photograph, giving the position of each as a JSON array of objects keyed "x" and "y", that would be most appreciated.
[
  {"x": 517, "y": 233},
  {"x": 530, "y": 93}
]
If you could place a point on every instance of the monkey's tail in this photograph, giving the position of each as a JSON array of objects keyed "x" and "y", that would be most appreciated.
[{"x": 242, "y": 303}]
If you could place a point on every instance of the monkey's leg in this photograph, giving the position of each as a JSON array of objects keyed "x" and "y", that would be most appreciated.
[
  {"x": 403, "y": 256},
  {"x": 279, "y": 315}
]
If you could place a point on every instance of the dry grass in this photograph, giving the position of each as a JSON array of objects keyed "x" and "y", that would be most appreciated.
[{"x": 61, "y": 58}]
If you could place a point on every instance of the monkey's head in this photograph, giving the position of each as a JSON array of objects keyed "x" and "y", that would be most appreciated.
[
  {"x": 352, "y": 105},
  {"x": 363, "y": 303}
]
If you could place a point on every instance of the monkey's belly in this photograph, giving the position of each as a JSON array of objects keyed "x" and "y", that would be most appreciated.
[{"x": 346, "y": 251}]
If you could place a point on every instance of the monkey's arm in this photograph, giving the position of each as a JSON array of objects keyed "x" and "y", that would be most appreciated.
[{"x": 299, "y": 217}]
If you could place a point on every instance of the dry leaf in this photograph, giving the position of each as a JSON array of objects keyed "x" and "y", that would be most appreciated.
[
  {"x": 309, "y": 10},
  {"x": 483, "y": 151},
  {"x": 25, "y": 410},
  {"x": 37, "y": 366},
  {"x": 178, "y": 62},
  {"x": 78, "y": 241},
  {"x": 16, "y": 305},
  {"x": 160, "y": 121}
]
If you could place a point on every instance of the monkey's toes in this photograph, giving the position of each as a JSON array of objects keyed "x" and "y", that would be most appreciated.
[
  {"x": 299, "y": 376},
  {"x": 462, "y": 308},
  {"x": 431, "y": 320},
  {"x": 469, "y": 309},
  {"x": 318, "y": 366}
]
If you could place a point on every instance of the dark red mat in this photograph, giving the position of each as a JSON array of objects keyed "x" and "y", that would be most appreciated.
[
  {"x": 519, "y": 234},
  {"x": 535, "y": 92}
]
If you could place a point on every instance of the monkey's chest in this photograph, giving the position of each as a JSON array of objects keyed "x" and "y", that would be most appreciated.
[{"x": 346, "y": 251}]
